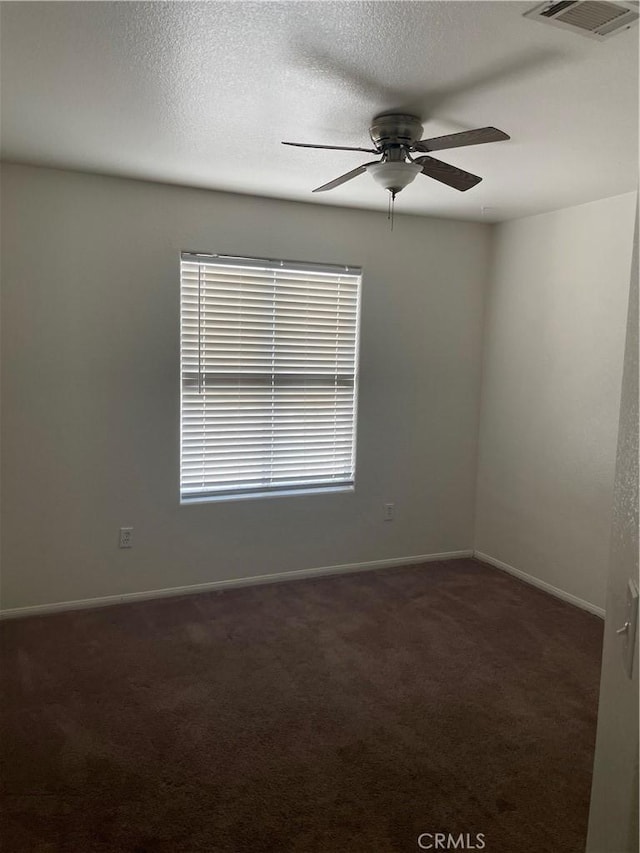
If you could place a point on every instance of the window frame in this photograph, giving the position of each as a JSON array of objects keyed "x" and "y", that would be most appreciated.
[{"x": 304, "y": 488}]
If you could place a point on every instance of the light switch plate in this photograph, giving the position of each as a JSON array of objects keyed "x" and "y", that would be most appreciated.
[{"x": 631, "y": 620}]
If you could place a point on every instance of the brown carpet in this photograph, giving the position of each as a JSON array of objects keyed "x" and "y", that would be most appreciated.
[{"x": 343, "y": 715}]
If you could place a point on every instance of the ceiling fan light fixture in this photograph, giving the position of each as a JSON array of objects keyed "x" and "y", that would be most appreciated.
[{"x": 394, "y": 176}]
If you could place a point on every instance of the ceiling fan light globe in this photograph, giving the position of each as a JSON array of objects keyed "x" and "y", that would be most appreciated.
[{"x": 394, "y": 176}]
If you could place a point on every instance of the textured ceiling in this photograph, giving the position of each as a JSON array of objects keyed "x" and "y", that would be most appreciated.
[{"x": 202, "y": 94}]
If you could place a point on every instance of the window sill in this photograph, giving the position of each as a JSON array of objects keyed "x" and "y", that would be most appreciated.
[{"x": 252, "y": 496}]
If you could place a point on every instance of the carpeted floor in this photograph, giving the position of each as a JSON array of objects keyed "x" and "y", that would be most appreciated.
[{"x": 344, "y": 715}]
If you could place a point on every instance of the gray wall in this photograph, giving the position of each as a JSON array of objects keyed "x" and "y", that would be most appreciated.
[
  {"x": 90, "y": 387},
  {"x": 553, "y": 352}
]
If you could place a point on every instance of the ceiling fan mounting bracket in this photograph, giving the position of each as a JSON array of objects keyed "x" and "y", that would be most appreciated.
[{"x": 395, "y": 130}]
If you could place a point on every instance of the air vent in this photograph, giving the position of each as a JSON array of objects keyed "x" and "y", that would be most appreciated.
[{"x": 591, "y": 18}]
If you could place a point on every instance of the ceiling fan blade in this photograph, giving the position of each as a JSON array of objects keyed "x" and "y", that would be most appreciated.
[
  {"x": 332, "y": 147},
  {"x": 466, "y": 137},
  {"x": 447, "y": 174},
  {"x": 343, "y": 178}
]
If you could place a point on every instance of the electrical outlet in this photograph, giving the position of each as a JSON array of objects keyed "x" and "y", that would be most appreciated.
[
  {"x": 126, "y": 537},
  {"x": 389, "y": 511}
]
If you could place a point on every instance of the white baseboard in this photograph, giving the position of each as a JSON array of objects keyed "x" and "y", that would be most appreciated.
[
  {"x": 530, "y": 579},
  {"x": 256, "y": 580}
]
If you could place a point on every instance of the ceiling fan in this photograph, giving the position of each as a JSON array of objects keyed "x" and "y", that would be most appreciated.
[{"x": 396, "y": 137}]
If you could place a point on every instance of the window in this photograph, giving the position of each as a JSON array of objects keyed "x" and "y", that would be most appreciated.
[{"x": 269, "y": 376}]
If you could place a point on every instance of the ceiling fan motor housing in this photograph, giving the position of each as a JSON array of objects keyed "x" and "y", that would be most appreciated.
[{"x": 391, "y": 130}]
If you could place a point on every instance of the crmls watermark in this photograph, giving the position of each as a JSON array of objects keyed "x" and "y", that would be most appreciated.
[{"x": 450, "y": 841}]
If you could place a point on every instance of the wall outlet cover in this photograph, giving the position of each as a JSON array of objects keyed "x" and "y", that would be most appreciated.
[{"x": 126, "y": 537}]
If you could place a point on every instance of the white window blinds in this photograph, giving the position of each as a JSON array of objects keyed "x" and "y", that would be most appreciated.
[{"x": 269, "y": 375}]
